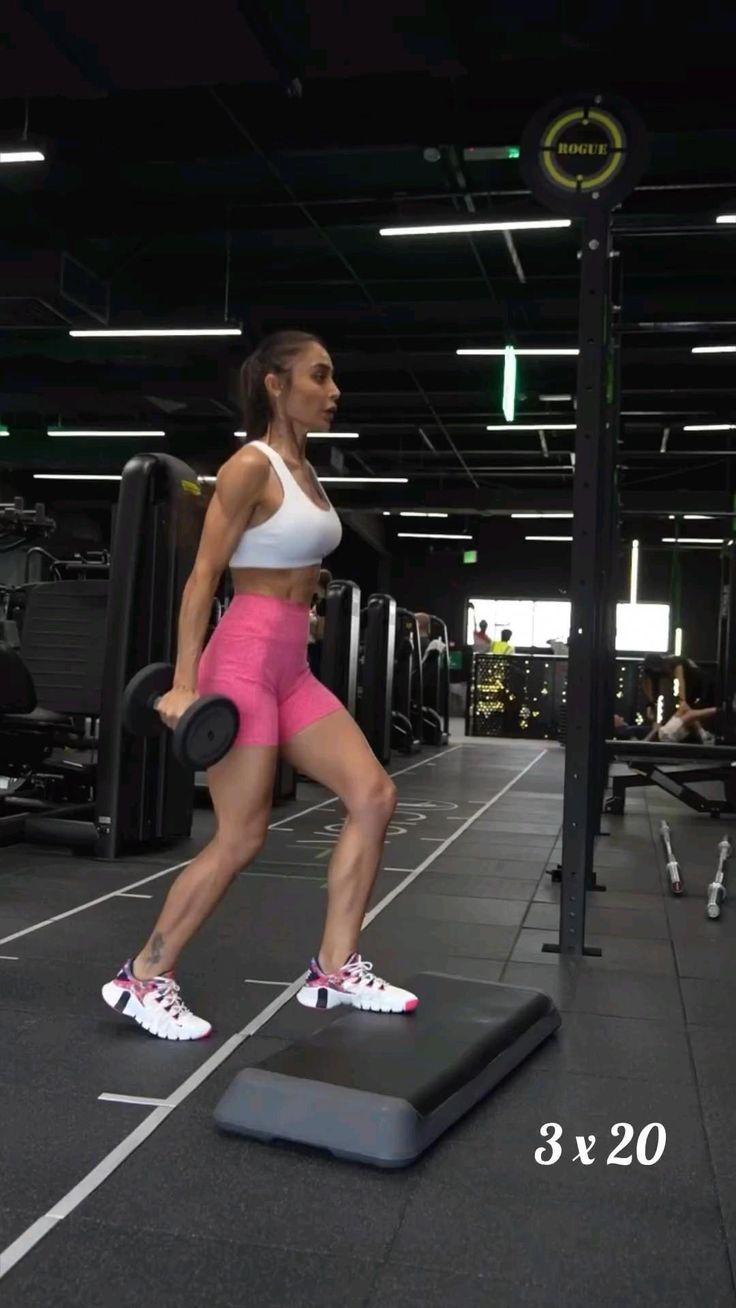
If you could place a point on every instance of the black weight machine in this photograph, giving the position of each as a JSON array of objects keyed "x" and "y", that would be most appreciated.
[
  {"x": 436, "y": 685},
  {"x": 407, "y": 725},
  {"x": 376, "y": 681}
]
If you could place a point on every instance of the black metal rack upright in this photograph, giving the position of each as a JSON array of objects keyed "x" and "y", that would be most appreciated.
[{"x": 581, "y": 156}]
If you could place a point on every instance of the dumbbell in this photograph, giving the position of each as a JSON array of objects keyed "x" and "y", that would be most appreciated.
[{"x": 203, "y": 734}]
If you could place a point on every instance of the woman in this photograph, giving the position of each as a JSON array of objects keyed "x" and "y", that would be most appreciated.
[{"x": 270, "y": 522}]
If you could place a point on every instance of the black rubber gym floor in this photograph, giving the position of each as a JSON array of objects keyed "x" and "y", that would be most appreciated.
[{"x": 146, "y": 1203}]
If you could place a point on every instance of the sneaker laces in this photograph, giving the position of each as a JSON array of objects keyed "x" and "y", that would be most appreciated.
[
  {"x": 361, "y": 973},
  {"x": 169, "y": 997}
]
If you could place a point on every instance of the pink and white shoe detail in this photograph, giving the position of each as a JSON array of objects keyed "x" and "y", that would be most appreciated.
[
  {"x": 155, "y": 1005},
  {"x": 357, "y": 985}
]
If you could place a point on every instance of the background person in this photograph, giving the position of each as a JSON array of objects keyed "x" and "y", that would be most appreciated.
[{"x": 503, "y": 646}]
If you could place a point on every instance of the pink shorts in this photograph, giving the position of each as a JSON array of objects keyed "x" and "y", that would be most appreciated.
[{"x": 257, "y": 656}]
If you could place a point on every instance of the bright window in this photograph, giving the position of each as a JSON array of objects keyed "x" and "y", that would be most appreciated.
[
  {"x": 532, "y": 622},
  {"x": 643, "y": 627},
  {"x": 639, "y": 627}
]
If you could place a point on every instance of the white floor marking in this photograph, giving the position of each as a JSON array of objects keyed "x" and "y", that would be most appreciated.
[
  {"x": 132, "y": 1099},
  {"x": 104, "y": 1169},
  {"x": 102, "y": 899},
  {"x": 129, "y": 894}
]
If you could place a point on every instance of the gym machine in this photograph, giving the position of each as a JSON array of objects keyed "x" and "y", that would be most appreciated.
[
  {"x": 677, "y": 769},
  {"x": 436, "y": 685},
  {"x": 406, "y": 712},
  {"x": 340, "y": 646},
  {"x": 375, "y": 690}
]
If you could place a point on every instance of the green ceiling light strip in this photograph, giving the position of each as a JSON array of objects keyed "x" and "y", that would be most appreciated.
[{"x": 509, "y": 383}]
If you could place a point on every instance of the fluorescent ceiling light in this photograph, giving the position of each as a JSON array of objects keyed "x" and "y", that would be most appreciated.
[
  {"x": 332, "y": 435},
  {"x": 509, "y": 383},
  {"x": 4, "y": 431},
  {"x": 161, "y": 331},
  {"x": 548, "y": 538},
  {"x": 634, "y": 574},
  {"x": 58, "y": 431},
  {"x": 726, "y": 218},
  {"x": 21, "y": 156},
  {"x": 546, "y": 353},
  {"x": 430, "y": 535},
  {"x": 410, "y": 513},
  {"x": 698, "y": 517},
  {"x": 713, "y": 349},
  {"x": 75, "y": 476},
  {"x": 690, "y": 540},
  {"x": 384, "y": 481},
  {"x": 441, "y": 229},
  {"x": 711, "y": 426},
  {"x": 532, "y": 426},
  {"x": 541, "y": 515},
  {"x": 555, "y": 399}
]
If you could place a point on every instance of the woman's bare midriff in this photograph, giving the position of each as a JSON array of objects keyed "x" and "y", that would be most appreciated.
[{"x": 297, "y": 584}]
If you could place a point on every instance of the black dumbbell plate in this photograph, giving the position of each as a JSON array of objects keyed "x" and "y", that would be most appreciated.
[
  {"x": 206, "y": 731},
  {"x": 149, "y": 684}
]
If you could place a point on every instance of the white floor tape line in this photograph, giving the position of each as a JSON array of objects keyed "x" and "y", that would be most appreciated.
[
  {"x": 139, "y": 1100},
  {"x": 134, "y": 885},
  {"x": 29, "y": 1238}
]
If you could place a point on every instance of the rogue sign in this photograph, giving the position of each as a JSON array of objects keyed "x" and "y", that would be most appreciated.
[{"x": 584, "y": 152}]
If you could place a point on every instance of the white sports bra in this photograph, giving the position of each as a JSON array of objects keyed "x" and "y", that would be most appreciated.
[{"x": 297, "y": 535}]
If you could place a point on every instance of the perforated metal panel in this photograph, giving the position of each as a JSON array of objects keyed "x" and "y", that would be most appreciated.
[{"x": 63, "y": 644}]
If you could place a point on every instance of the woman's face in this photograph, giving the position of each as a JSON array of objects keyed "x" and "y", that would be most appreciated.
[{"x": 309, "y": 400}]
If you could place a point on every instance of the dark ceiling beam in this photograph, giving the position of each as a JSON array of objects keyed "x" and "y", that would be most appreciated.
[
  {"x": 275, "y": 44},
  {"x": 64, "y": 31}
]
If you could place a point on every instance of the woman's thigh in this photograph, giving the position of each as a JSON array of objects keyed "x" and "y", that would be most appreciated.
[
  {"x": 241, "y": 787},
  {"x": 335, "y": 753}
]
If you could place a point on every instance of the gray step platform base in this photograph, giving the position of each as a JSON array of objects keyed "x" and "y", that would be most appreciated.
[{"x": 380, "y": 1088}]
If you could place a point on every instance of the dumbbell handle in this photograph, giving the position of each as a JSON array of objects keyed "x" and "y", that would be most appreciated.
[
  {"x": 716, "y": 895},
  {"x": 717, "y": 888}
]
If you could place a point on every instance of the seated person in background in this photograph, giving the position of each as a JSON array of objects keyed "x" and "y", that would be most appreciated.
[
  {"x": 623, "y": 730},
  {"x": 660, "y": 669},
  {"x": 503, "y": 646},
  {"x": 317, "y": 621},
  {"x": 425, "y": 642},
  {"x": 686, "y": 726},
  {"x": 686, "y": 723},
  {"x": 423, "y": 625}
]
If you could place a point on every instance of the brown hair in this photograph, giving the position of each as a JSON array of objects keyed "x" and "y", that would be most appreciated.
[{"x": 274, "y": 354}]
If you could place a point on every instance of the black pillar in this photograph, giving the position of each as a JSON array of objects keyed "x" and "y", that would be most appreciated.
[{"x": 591, "y": 593}]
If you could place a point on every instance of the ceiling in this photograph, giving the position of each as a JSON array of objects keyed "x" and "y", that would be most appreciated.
[{"x": 237, "y": 167}]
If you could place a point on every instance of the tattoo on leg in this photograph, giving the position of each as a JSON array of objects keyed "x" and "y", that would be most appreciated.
[{"x": 156, "y": 949}]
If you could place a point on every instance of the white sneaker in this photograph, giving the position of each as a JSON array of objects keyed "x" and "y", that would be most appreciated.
[
  {"x": 354, "y": 984},
  {"x": 155, "y": 1005}
]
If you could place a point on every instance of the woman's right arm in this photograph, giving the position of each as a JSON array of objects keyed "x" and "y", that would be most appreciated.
[{"x": 239, "y": 486}]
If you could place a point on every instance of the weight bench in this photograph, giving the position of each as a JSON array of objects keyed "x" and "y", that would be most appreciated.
[
  {"x": 655, "y": 763},
  {"x": 380, "y": 1088}
]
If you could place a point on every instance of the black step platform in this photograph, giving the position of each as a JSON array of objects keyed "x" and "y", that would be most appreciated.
[{"x": 380, "y": 1088}]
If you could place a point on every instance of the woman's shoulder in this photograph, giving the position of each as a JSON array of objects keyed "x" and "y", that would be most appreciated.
[{"x": 244, "y": 473}]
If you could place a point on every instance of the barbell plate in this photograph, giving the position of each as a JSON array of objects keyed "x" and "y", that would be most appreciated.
[{"x": 204, "y": 734}]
